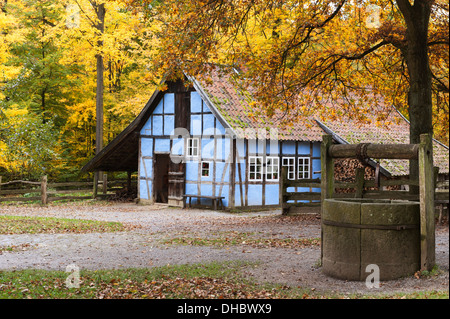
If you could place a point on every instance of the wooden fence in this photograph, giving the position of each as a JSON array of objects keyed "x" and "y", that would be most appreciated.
[
  {"x": 45, "y": 192},
  {"x": 360, "y": 188}
]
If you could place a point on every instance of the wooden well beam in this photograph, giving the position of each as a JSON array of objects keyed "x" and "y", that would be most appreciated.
[{"x": 386, "y": 151}]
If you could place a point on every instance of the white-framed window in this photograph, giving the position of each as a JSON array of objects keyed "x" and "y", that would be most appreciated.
[
  {"x": 272, "y": 168},
  {"x": 255, "y": 168},
  {"x": 205, "y": 169},
  {"x": 289, "y": 162},
  {"x": 192, "y": 146},
  {"x": 303, "y": 168}
]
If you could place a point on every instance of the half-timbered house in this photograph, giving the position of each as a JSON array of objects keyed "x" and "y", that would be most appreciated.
[{"x": 205, "y": 139}]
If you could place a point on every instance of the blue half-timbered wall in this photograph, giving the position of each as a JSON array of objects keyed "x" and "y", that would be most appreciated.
[
  {"x": 209, "y": 170},
  {"x": 214, "y": 151},
  {"x": 265, "y": 191},
  {"x": 155, "y": 137}
]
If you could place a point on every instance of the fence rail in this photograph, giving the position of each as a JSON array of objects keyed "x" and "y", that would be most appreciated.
[
  {"x": 25, "y": 191},
  {"x": 360, "y": 188}
]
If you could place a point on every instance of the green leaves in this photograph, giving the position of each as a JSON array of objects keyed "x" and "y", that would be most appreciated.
[{"x": 30, "y": 144}]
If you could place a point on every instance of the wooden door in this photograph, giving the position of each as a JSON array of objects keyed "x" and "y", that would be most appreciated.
[
  {"x": 161, "y": 177},
  {"x": 176, "y": 184}
]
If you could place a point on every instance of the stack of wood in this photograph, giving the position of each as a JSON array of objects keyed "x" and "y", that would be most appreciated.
[
  {"x": 344, "y": 171},
  {"x": 124, "y": 195}
]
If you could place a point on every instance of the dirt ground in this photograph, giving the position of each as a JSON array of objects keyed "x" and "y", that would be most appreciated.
[{"x": 142, "y": 247}]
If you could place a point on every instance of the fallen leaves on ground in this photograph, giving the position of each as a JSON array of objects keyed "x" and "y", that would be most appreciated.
[
  {"x": 19, "y": 247},
  {"x": 233, "y": 238},
  {"x": 38, "y": 225},
  {"x": 165, "y": 287},
  {"x": 258, "y": 220},
  {"x": 189, "y": 288}
]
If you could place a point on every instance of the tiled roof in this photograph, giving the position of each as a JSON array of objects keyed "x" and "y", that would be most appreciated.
[
  {"x": 396, "y": 132},
  {"x": 238, "y": 108},
  {"x": 241, "y": 112}
]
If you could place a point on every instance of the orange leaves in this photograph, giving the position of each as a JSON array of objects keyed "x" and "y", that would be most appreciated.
[
  {"x": 178, "y": 287},
  {"x": 284, "y": 51}
]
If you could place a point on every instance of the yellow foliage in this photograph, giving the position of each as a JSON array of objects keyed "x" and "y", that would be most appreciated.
[{"x": 291, "y": 49}]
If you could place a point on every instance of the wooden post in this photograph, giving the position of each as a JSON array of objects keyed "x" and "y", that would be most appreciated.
[
  {"x": 327, "y": 179},
  {"x": 95, "y": 190},
  {"x": 44, "y": 190},
  {"x": 129, "y": 181},
  {"x": 234, "y": 161},
  {"x": 359, "y": 182},
  {"x": 327, "y": 168},
  {"x": 283, "y": 178},
  {"x": 105, "y": 183},
  {"x": 426, "y": 188},
  {"x": 435, "y": 175}
]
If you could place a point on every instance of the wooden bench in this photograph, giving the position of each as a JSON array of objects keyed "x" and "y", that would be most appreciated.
[{"x": 215, "y": 200}]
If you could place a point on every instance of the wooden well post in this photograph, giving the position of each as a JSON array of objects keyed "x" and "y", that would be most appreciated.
[
  {"x": 426, "y": 191},
  {"x": 327, "y": 178}
]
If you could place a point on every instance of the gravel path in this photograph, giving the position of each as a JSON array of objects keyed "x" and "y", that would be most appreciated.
[{"x": 141, "y": 247}]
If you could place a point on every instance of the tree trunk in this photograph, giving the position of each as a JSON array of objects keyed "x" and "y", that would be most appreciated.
[
  {"x": 99, "y": 105},
  {"x": 100, "y": 10},
  {"x": 416, "y": 56}
]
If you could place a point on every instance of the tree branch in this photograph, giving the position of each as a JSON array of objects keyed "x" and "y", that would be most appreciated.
[
  {"x": 363, "y": 54},
  {"x": 442, "y": 87},
  {"x": 437, "y": 43}
]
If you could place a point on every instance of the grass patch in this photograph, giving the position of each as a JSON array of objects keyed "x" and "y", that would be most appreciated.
[
  {"x": 213, "y": 280},
  {"x": 416, "y": 295},
  {"x": 233, "y": 238},
  {"x": 38, "y": 225},
  {"x": 206, "y": 281}
]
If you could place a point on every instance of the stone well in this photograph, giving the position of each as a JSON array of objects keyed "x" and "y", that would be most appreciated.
[{"x": 359, "y": 232}]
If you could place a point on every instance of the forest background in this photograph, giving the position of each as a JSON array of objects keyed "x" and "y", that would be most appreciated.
[{"x": 50, "y": 49}]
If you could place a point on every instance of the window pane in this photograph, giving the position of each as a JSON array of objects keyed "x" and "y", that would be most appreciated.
[
  {"x": 255, "y": 168},
  {"x": 272, "y": 168},
  {"x": 303, "y": 167},
  {"x": 192, "y": 147},
  {"x": 205, "y": 169}
]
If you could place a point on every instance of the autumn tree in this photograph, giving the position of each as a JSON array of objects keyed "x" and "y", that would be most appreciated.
[
  {"x": 335, "y": 56},
  {"x": 112, "y": 52},
  {"x": 41, "y": 80},
  {"x": 54, "y": 45}
]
